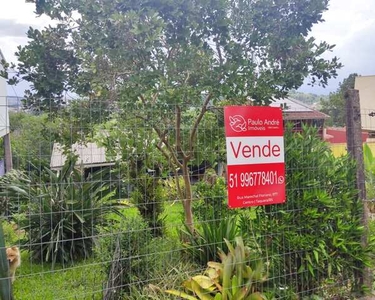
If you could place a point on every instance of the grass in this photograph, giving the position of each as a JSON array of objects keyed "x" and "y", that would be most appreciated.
[
  {"x": 84, "y": 280},
  {"x": 39, "y": 281}
]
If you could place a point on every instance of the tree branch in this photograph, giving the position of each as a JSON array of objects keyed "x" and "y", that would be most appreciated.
[
  {"x": 178, "y": 132},
  {"x": 219, "y": 53},
  {"x": 163, "y": 139},
  {"x": 193, "y": 132}
]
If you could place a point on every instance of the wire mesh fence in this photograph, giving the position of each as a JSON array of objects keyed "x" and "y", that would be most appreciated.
[{"x": 111, "y": 201}]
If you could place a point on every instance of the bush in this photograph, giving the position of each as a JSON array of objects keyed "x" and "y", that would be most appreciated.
[
  {"x": 61, "y": 217},
  {"x": 202, "y": 245},
  {"x": 149, "y": 199},
  {"x": 211, "y": 202},
  {"x": 316, "y": 234},
  {"x": 238, "y": 276},
  {"x": 125, "y": 246}
]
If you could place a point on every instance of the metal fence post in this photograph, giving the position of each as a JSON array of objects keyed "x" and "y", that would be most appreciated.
[{"x": 355, "y": 149}]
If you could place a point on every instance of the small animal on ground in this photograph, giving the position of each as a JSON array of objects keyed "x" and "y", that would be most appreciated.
[{"x": 14, "y": 258}]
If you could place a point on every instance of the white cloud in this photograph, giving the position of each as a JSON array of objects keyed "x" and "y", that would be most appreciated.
[
  {"x": 17, "y": 16},
  {"x": 350, "y": 25}
]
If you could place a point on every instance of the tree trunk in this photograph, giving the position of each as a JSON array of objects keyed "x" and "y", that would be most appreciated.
[{"x": 187, "y": 202}]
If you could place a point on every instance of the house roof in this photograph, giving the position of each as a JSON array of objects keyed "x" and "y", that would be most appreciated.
[
  {"x": 296, "y": 110},
  {"x": 89, "y": 155}
]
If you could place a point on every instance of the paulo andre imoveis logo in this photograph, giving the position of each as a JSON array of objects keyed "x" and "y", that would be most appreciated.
[{"x": 237, "y": 123}]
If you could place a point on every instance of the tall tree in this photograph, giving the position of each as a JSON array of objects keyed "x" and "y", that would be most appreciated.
[
  {"x": 167, "y": 61},
  {"x": 334, "y": 106}
]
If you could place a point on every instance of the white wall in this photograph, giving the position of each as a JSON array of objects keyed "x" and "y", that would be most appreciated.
[
  {"x": 4, "y": 116},
  {"x": 366, "y": 87}
]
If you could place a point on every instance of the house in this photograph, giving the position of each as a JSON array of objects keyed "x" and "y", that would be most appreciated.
[
  {"x": 6, "y": 163},
  {"x": 90, "y": 156},
  {"x": 300, "y": 114},
  {"x": 366, "y": 87}
]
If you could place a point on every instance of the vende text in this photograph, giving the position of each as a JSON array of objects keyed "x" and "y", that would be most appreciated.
[{"x": 255, "y": 150}]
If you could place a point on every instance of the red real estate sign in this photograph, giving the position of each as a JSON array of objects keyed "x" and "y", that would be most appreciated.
[{"x": 255, "y": 155}]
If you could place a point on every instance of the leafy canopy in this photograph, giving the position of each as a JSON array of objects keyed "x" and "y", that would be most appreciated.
[
  {"x": 170, "y": 52},
  {"x": 168, "y": 62},
  {"x": 334, "y": 106}
]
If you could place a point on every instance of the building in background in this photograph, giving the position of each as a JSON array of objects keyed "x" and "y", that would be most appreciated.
[
  {"x": 6, "y": 158},
  {"x": 366, "y": 87},
  {"x": 300, "y": 114}
]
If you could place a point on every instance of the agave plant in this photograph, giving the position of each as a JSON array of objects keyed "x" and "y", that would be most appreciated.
[
  {"x": 202, "y": 244},
  {"x": 61, "y": 216},
  {"x": 235, "y": 278}
]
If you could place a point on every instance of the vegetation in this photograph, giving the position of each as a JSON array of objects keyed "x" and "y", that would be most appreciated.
[
  {"x": 202, "y": 244},
  {"x": 61, "y": 216},
  {"x": 211, "y": 202},
  {"x": 334, "y": 106},
  {"x": 236, "y": 277},
  {"x": 149, "y": 198},
  {"x": 319, "y": 226},
  {"x": 156, "y": 61},
  {"x": 31, "y": 146},
  {"x": 308, "y": 98},
  {"x": 152, "y": 78},
  {"x": 5, "y": 282},
  {"x": 369, "y": 161}
]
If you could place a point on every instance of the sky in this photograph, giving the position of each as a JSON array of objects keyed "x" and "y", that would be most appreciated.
[{"x": 349, "y": 24}]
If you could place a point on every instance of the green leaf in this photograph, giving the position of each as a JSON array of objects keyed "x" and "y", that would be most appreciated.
[
  {"x": 181, "y": 294},
  {"x": 255, "y": 296},
  {"x": 203, "y": 281}
]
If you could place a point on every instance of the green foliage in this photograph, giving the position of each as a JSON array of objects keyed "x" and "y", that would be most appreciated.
[
  {"x": 307, "y": 98},
  {"x": 335, "y": 105},
  {"x": 12, "y": 234},
  {"x": 131, "y": 144},
  {"x": 35, "y": 282},
  {"x": 212, "y": 200},
  {"x": 369, "y": 161},
  {"x": 49, "y": 64},
  {"x": 77, "y": 121},
  {"x": 202, "y": 244},
  {"x": 167, "y": 62},
  {"x": 133, "y": 236},
  {"x": 5, "y": 282},
  {"x": 31, "y": 144},
  {"x": 149, "y": 199},
  {"x": 318, "y": 231},
  {"x": 192, "y": 45},
  {"x": 61, "y": 217},
  {"x": 236, "y": 277}
]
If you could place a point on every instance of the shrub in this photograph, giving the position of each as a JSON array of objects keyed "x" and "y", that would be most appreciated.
[
  {"x": 316, "y": 234},
  {"x": 211, "y": 200},
  {"x": 148, "y": 197},
  {"x": 61, "y": 217},
  {"x": 125, "y": 246},
  {"x": 238, "y": 276},
  {"x": 202, "y": 245},
  {"x": 369, "y": 161}
]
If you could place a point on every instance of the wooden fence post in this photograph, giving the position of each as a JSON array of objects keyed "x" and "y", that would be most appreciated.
[
  {"x": 355, "y": 149},
  {"x": 8, "y": 153}
]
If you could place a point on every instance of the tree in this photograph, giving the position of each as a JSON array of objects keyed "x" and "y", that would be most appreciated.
[
  {"x": 167, "y": 62},
  {"x": 334, "y": 106},
  {"x": 31, "y": 146}
]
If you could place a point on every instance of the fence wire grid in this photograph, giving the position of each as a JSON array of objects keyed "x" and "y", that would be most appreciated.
[{"x": 96, "y": 198}]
